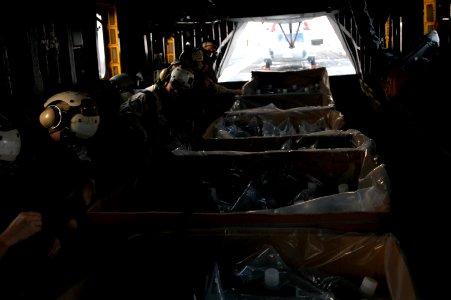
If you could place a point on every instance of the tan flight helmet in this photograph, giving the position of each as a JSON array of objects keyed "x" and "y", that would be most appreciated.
[{"x": 70, "y": 113}]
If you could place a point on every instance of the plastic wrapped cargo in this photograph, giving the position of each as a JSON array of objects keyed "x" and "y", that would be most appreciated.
[
  {"x": 275, "y": 263},
  {"x": 236, "y": 262},
  {"x": 284, "y": 100},
  {"x": 291, "y": 182},
  {"x": 327, "y": 139},
  {"x": 286, "y": 90},
  {"x": 271, "y": 121},
  {"x": 372, "y": 195},
  {"x": 317, "y": 181},
  {"x": 310, "y": 81}
]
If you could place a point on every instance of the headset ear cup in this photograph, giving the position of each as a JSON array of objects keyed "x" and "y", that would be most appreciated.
[{"x": 50, "y": 117}]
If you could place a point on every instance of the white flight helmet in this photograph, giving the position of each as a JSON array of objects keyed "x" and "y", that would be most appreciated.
[
  {"x": 10, "y": 141},
  {"x": 181, "y": 78},
  {"x": 72, "y": 113}
]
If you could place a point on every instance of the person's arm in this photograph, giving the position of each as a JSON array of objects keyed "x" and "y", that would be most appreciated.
[
  {"x": 221, "y": 90},
  {"x": 22, "y": 227}
]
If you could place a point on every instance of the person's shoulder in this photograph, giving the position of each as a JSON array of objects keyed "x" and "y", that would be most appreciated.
[
  {"x": 142, "y": 96},
  {"x": 152, "y": 88},
  {"x": 141, "y": 93}
]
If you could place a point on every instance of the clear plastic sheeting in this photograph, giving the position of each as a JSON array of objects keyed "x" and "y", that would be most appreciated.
[
  {"x": 281, "y": 101},
  {"x": 276, "y": 263},
  {"x": 373, "y": 194},
  {"x": 326, "y": 139},
  {"x": 266, "y": 277},
  {"x": 287, "y": 182},
  {"x": 280, "y": 104},
  {"x": 271, "y": 121}
]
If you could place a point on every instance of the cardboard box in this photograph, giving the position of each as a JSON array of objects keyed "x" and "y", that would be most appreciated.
[
  {"x": 328, "y": 139},
  {"x": 283, "y": 100},
  {"x": 289, "y": 82},
  {"x": 184, "y": 262},
  {"x": 255, "y": 188},
  {"x": 348, "y": 256},
  {"x": 277, "y": 181}
]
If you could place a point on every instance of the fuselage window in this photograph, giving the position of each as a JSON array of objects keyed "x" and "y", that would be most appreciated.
[{"x": 100, "y": 48}]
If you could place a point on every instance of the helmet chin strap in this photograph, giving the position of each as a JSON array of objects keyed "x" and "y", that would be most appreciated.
[
  {"x": 64, "y": 135},
  {"x": 56, "y": 136}
]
